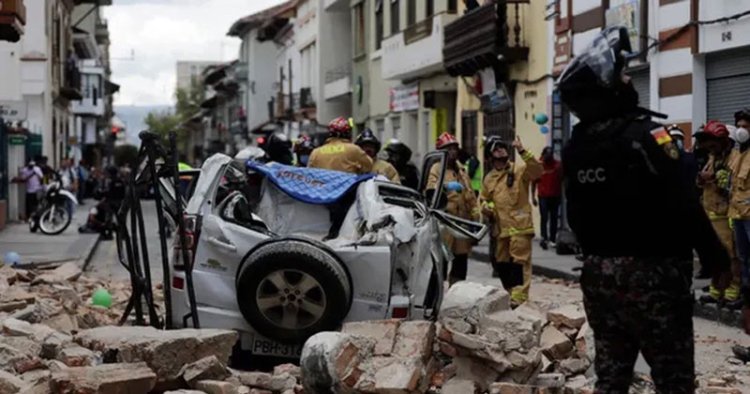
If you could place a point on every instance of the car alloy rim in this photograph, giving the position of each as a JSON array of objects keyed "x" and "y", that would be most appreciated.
[{"x": 291, "y": 299}]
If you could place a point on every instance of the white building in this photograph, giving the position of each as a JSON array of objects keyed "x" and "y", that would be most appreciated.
[
  {"x": 693, "y": 75},
  {"x": 190, "y": 72}
]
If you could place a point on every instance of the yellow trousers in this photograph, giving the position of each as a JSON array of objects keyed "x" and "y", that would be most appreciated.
[{"x": 517, "y": 250}]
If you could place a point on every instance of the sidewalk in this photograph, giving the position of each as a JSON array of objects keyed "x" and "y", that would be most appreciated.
[
  {"x": 39, "y": 249},
  {"x": 548, "y": 264}
]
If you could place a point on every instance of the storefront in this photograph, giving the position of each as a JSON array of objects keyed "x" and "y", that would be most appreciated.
[{"x": 727, "y": 83}]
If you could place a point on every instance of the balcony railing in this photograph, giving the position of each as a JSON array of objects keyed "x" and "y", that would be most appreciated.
[
  {"x": 484, "y": 37},
  {"x": 71, "y": 86}
]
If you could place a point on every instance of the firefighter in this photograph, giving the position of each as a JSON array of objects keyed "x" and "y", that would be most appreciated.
[
  {"x": 371, "y": 145},
  {"x": 637, "y": 221},
  {"x": 460, "y": 201},
  {"x": 505, "y": 197},
  {"x": 714, "y": 181},
  {"x": 739, "y": 209},
  {"x": 303, "y": 147},
  {"x": 338, "y": 153}
]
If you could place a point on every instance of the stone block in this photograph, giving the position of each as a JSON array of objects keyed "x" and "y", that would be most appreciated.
[
  {"x": 585, "y": 346},
  {"x": 330, "y": 361},
  {"x": 459, "y": 386},
  {"x": 64, "y": 273},
  {"x": 400, "y": 376},
  {"x": 259, "y": 380},
  {"x": 207, "y": 368},
  {"x": 383, "y": 332},
  {"x": 475, "y": 370},
  {"x": 569, "y": 316},
  {"x": 573, "y": 366},
  {"x": 552, "y": 380},
  {"x": 10, "y": 384},
  {"x": 291, "y": 369},
  {"x": 414, "y": 339},
  {"x": 469, "y": 300},
  {"x": 76, "y": 356},
  {"x": 216, "y": 387},
  {"x": 554, "y": 344},
  {"x": 104, "y": 379}
]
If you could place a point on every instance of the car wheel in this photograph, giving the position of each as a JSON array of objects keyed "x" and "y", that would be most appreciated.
[{"x": 290, "y": 289}]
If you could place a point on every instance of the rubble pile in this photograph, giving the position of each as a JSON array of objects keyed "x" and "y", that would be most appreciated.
[
  {"x": 54, "y": 341},
  {"x": 478, "y": 345}
]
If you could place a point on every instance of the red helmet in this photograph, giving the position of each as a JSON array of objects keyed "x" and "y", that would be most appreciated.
[
  {"x": 340, "y": 128},
  {"x": 714, "y": 129},
  {"x": 445, "y": 140}
]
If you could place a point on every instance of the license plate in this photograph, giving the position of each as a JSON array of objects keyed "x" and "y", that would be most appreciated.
[{"x": 266, "y": 347}]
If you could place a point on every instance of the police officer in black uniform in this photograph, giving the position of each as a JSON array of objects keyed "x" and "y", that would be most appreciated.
[
  {"x": 637, "y": 222},
  {"x": 399, "y": 155},
  {"x": 278, "y": 148}
]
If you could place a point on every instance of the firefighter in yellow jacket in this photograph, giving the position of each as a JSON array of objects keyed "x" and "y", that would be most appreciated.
[
  {"x": 371, "y": 145},
  {"x": 714, "y": 180},
  {"x": 338, "y": 153},
  {"x": 505, "y": 198},
  {"x": 461, "y": 202}
]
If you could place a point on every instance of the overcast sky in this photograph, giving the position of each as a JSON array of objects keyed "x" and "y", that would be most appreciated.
[{"x": 161, "y": 32}]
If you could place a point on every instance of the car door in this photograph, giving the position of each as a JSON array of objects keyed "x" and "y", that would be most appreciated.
[{"x": 223, "y": 243}]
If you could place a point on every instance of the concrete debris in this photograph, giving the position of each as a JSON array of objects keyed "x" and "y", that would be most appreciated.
[
  {"x": 10, "y": 383},
  {"x": 159, "y": 349},
  {"x": 477, "y": 345},
  {"x": 104, "y": 379},
  {"x": 207, "y": 368},
  {"x": 569, "y": 316},
  {"x": 64, "y": 273},
  {"x": 216, "y": 387}
]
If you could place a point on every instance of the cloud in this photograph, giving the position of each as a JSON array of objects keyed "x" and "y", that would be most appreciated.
[{"x": 161, "y": 32}]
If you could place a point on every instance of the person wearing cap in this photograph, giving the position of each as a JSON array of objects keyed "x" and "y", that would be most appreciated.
[
  {"x": 505, "y": 197},
  {"x": 739, "y": 206},
  {"x": 461, "y": 202},
  {"x": 399, "y": 155},
  {"x": 339, "y": 153},
  {"x": 303, "y": 147},
  {"x": 713, "y": 180},
  {"x": 371, "y": 145}
]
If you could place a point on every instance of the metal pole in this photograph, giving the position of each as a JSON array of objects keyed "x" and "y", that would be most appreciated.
[
  {"x": 181, "y": 229},
  {"x": 162, "y": 236}
]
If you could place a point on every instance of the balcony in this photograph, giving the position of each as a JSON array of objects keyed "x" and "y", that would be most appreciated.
[
  {"x": 338, "y": 83},
  {"x": 71, "y": 85},
  {"x": 416, "y": 51},
  {"x": 485, "y": 37},
  {"x": 12, "y": 20},
  {"x": 102, "y": 32},
  {"x": 92, "y": 103}
]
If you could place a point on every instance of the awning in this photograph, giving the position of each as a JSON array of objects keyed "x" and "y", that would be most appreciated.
[
  {"x": 210, "y": 103},
  {"x": 110, "y": 87},
  {"x": 253, "y": 21}
]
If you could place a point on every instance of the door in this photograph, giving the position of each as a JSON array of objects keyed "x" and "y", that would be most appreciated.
[{"x": 727, "y": 84}]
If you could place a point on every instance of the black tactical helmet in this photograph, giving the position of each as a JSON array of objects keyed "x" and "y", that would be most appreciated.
[
  {"x": 278, "y": 147},
  {"x": 592, "y": 85},
  {"x": 493, "y": 142},
  {"x": 398, "y": 152},
  {"x": 368, "y": 137}
]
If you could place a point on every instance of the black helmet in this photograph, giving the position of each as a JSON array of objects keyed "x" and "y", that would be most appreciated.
[
  {"x": 493, "y": 142},
  {"x": 592, "y": 85},
  {"x": 368, "y": 137},
  {"x": 398, "y": 152},
  {"x": 278, "y": 147}
]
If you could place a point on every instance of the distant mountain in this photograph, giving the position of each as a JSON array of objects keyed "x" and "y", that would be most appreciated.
[{"x": 133, "y": 116}]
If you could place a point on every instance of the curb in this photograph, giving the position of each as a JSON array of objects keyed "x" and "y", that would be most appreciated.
[
  {"x": 86, "y": 259},
  {"x": 704, "y": 311}
]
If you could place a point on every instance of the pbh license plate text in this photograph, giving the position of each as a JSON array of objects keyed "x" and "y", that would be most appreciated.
[{"x": 266, "y": 347}]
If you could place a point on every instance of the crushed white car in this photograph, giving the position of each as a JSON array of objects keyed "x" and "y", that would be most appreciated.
[{"x": 261, "y": 267}]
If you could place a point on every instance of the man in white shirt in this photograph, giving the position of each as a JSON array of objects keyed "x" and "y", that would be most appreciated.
[{"x": 32, "y": 176}]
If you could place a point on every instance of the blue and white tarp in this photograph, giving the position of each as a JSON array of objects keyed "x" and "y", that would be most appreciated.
[{"x": 310, "y": 185}]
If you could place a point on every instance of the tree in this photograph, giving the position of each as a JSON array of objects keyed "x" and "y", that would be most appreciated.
[{"x": 162, "y": 122}]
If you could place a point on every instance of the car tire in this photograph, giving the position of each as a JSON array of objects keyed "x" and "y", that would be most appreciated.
[{"x": 291, "y": 289}]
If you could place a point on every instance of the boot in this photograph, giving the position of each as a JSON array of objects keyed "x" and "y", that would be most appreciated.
[
  {"x": 732, "y": 297},
  {"x": 714, "y": 296}
]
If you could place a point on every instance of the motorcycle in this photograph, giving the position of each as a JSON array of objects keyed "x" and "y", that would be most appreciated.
[{"x": 53, "y": 215}]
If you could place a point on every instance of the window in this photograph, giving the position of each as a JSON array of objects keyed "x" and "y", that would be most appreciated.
[
  {"x": 380, "y": 128},
  {"x": 395, "y": 17},
  {"x": 396, "y": 126},
  {"x": 378, "y": 24},
  {"x": 452, "y": 6},
  {"x": 430, "y": 8},
  {"x": 411, "y": 12},
  {"x": 359, "y": 32}
]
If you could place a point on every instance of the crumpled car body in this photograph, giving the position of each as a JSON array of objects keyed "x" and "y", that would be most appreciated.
[{"x": 261, "y": 267}]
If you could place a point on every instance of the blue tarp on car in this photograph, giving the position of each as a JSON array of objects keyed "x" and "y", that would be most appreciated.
[{"x": 310, "y": 185}]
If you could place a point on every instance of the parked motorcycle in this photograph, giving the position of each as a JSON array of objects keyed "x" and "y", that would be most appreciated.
[{"x": 53, "y": 216}]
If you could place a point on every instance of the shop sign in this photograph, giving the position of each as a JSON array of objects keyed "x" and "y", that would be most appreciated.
[
  {"x": 13, "y": 110},
  {"x": 404, "y": 98}
]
